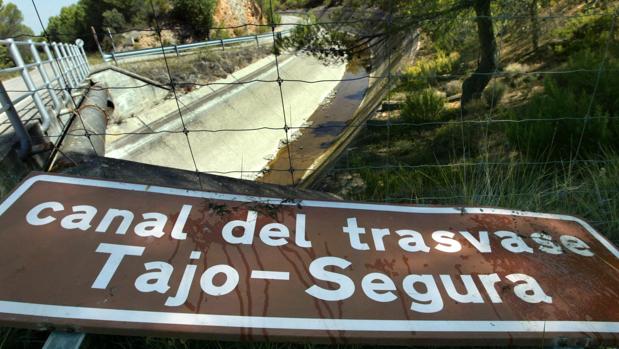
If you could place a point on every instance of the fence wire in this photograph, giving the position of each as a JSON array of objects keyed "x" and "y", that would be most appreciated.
[{"x": 68, "y": 90}]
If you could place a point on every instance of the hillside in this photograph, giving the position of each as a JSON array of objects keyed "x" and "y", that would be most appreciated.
[
  {"x": 236, "y": 13},
  {"x": 131, "y": 24},
  {"x": 541, "y": 137}
]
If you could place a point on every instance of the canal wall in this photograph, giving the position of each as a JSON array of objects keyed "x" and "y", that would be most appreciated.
[{"x": 387, "y": 59}]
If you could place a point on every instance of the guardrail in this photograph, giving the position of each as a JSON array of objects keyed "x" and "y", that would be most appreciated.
[
  {"x": 47, "y": 82},
  {"x": 178, "y": 49}
]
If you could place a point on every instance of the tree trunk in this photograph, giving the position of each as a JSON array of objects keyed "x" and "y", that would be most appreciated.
[
  {"x": 534, "y": 24},
  {"x": 473, "y": 86}
]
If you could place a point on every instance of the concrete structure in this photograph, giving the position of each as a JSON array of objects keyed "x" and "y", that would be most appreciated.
[
  {"x": 134, "y": 172},
  {"x": 256, "y": 105},
  {"x": 138, "y": 95}
]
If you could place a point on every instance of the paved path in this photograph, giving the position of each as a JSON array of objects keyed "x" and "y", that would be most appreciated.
[
  {"x": 18, "y": 84},
  {"x": 15, "y": 88}
]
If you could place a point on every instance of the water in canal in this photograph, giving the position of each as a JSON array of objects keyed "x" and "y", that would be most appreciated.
[{"x": 327, "y": 122}]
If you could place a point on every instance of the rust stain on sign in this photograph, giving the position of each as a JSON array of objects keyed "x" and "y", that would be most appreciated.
[{"x": 114, "y": 257}]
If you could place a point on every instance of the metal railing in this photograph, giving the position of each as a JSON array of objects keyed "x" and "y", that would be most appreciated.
[
  {"x": 48, "y": 81},
  {"x": 178, "y": 49}
]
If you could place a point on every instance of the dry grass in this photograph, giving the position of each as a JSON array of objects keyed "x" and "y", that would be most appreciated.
[{"x": 204, "y": 66}]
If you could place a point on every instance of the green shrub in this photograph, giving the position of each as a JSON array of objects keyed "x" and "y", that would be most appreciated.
[
  {"x": 586, "y": 63},
  {"x": 553, "y": 138},
  {"x": 426, "y": 70},
  {"x": 574, "y": 95},
  {"x": 265, "y": 7},
  {"x": 423, "y": 106},
  {"x": 442, "y": 63},
  {"x": 195, "y": 16},
  {"x": 583, "y": 32},
  {"x": 600, "y": 86},
  {"x": 493, "y": 93}
]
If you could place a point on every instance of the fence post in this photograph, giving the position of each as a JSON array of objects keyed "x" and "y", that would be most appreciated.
[
  {"x": 85, "y": 58},
  {"x": 25, "y": 143},
  {"x": 63, "y": 67},
  {"x": 74, "y": 66},
  {"x": 43, "y": 72},
  {"x": 109, "y": 33},
  {"x": 257, "y": 42},
  {"x": 94, "y": 34},
  {"x": 57, "y": 72},
  {"x": 67, "y": 63},
  {"x": 76, "y": 60},
  {"x": 79, "y": 61},
  {"x": 67, "y": 52},
  {"x": 19, "y": 62},
  {"x": 222, "y": 44}
]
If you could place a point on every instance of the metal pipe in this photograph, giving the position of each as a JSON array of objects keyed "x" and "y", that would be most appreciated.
[
  {"x": 85, "y": 58},
  {"x": 74, "y": 63},
  {"x": 109, "y": 33},
  {"x": 86, "y": 135},
  {"x": 63, "y": 68},
  {"x": 25, "y": 143},
  {"x": 78, "y": 59},
  {"x": 13, "y": 69},
  {"x": 70, "y": 65},
  {"x": 17, "y": 58},
  {"x": 82, "y": 60},
  {"x": 57, "y": 69},
  {"x": 43, "y": 72}
]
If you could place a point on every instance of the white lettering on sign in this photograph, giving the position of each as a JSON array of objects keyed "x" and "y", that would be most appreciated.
[
  {"x": 412, "y": 241},
  {"x": 153, "y": 224},
  {"x": 331, "y": 282},
  {"x": 447, "y": 241},
  {"x": 345, "y": 287},
  {"x": 576, "y": 245},
  {"x": 145, "y": 259},
  {"x": 33, "y": 216},
  {"x": 422, "y": 289},
  {"x": 117, "y": 253}
]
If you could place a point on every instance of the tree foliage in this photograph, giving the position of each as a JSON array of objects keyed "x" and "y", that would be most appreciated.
[
  {"x": 195, "y": 16},
  {"x": 113, "y": 19},
  {"x": 74, "y": 21},
  {"x": 442, "y": 20},
  {"x": 69, "y": 25},
  {"x": 10, "y": 26},
  {"x": 11, "y": 20},
  {"x": 270, "y": 10}
]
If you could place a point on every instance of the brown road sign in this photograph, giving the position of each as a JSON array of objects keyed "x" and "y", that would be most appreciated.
[{"x": 102, "y": 256}]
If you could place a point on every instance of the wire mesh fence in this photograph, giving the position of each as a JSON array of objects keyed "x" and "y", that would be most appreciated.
[{"x": 542, "y": 134}]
